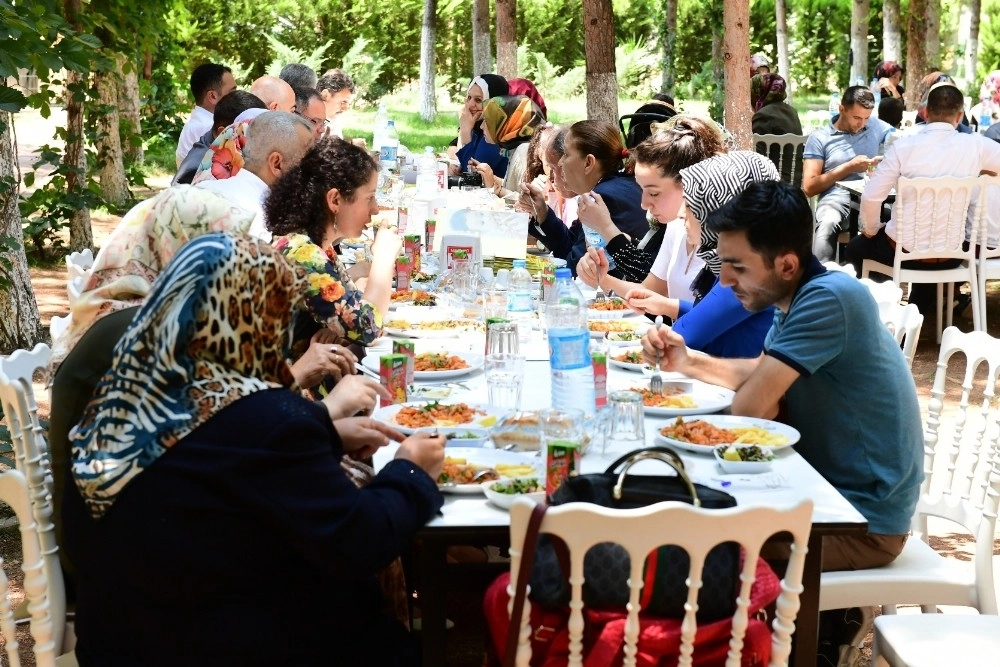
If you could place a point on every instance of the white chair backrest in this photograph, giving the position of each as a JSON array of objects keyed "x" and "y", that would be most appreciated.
[
  {"x": 961, "y": 481},
  {"x": 931, "y": 216},
  {"x": 785, "y": 151},
  {"x": 886, "y": 294},
  {"x": 46, "y": 598},
  {"x": 80, "y": 263},
  {"x": 988, "y": 204},
  {"x": 697, "y": 530},
  {"x": 904, "y": 323},
  {"x": 59, "y": 325},
  {"x": 835, "y": 266}
]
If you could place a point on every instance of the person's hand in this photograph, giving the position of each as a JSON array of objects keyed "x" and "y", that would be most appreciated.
[
  {"x": 645, "y": 301},
  {"x": 466, "y": 120},
  {"x": 354, "y": 395},
  {"x": 359, "y": 270},
  {"x": 670, "y": 344},
  {"x": 887, "y": 86},
  {"x": 862, "y": 163},
  {"x": 592, "y": 266},
  {"x": 424, "y": 450},
  {"x": 535, "y": 205},
  {"x": 387, "y": 245},
  {"x": 489, "y": 180},
  {"x": 363, "y": 436},
  {"x": 322, "y": 360},
  {"x": 593, "y": 212}
]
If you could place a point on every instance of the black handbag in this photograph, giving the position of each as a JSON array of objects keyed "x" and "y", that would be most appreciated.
[{"x": 606, "y": 566}]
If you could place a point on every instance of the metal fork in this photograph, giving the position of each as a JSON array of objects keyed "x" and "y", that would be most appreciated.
[
  {"x": 656, "y": 381},
  {"x": 599, "y": 295}
]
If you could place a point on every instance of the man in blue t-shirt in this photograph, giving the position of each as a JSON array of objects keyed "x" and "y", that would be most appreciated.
[{"x": 842, "y": 151}]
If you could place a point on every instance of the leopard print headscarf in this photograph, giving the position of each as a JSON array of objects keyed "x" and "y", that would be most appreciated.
[{"x": 215, "y": 328}]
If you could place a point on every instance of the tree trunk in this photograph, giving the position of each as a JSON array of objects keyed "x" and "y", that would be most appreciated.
[
  {"x": 428, "y": 101},
  {"x": 781, "y": 33},
  {"x": 916, "y": 54},
  {"x": 128, "y": 104},
  {"x": 81, "y": 235},
  {"x": 735, "y": 56},
  {"x": 669, "y": 42},
  {"x": 716, "y": 107},
  {"x": 110, "y": 159},
  {"x": 507, "y": 38},
  {"x": 599, "y": 52},
  {"x": 933, "y": 36},
  {"x": 859, "y": 40},
  {"x": 19, "y": 324},
  {"x": 972, "y": 45},
  {"x": 482, "y": 58},
  {"x": 892, "y": 48}
]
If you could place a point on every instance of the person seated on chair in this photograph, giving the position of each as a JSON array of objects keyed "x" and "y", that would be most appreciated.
[
  {"x": 226, "y": 111},
  {"x": 772, "y": 115},
  {"x": 934, "y": 150},
  {"x": 200, "y": 491},
  {"x": 843, "y": 150}
]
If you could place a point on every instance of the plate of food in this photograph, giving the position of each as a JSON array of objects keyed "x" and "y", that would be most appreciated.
[
  {"x": 431, "y": 328},
  {"x": 436, "y": 365},
  {"x": 503, "y": 492},
  {"x": 629, "y": 359},
  {"x": 411, "y": 417},
  {"x": 467, "y": 468},
  {"x": 600, "y": 327},
  {"x": 611, "y": 308},
  {"x": 411, "y": 297},
  {"x": 622, "y": 338},
  {"x": 744, "y": 459},
  {"x": 704, "y": 434},
  {"x": 683, "y": 397}
]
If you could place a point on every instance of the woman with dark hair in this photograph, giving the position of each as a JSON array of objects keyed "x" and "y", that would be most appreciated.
[
  {"x": 673, "y": 265},
  {"x": 926, "y": 84},
  {"x": 192, "y": 483},
  {"x": 327, "y": 197},
  {"x": 771, "y": 114},
  {"x": 888, "y": 79},
  {"x": 592, "y": 166},
  {"x": 471, "y": 143},
  {"x": 509, "y": 121}
]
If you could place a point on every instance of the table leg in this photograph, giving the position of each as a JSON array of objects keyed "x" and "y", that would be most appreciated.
[
  {"x": 806, "y": 638},
  {"x": 433, "y": 636}
]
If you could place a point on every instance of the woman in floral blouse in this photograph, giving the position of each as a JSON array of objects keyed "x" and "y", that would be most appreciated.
[{"x": 327, "y": 197}]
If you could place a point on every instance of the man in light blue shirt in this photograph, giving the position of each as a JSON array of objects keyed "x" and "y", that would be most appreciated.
[{"x": 842, "y": 151}]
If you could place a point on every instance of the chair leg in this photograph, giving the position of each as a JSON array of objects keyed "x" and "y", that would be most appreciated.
[
  {"x": 949, "y": 309},
  {"x": 939, "y": 305}
]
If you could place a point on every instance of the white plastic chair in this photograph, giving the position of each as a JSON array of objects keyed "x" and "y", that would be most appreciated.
[
  {"x": 961, "y": 485},
  {"x": 931, "y": 640},
  {"x": 639, "y": 531},
  {"x": 945, "y": 201},
  {"x": 46, "y": 596},
  {"x": 785, "y": 151},
  {"x": 80, "y": 263},
  {"x": 836, "y": 266},
  {"x": 59, "y": 325},
  {"x": 904, "y": 323},
  {"x": 886, "y": 294},
  {"x": 988, "y": 267}
]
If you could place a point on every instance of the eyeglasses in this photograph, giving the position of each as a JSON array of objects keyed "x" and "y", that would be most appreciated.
[{"x": 316, "y": 122}]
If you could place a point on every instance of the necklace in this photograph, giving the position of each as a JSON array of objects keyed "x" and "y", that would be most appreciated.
[{"x": 691, "y": 256}]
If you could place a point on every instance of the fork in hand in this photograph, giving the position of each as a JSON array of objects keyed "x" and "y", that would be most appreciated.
[
  {"x": 656, "y": 382},
  {"x": 599, "y": 295}
]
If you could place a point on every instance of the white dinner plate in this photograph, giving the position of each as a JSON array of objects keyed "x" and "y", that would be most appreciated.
[
  {"x": 708, "y": 398},
  {"x": 594, "y": 314},
  {"x": 475, "y": 361},
  {"x": 486, "y": 419},
  {"x": 488, "y": 458},
  {"x": 416, "y": 332},
  {"x": 393, "y": 305},
  {"x": 620, "y": 324},
  {"x": 730, "y": 421},
  {"x": 624, "y": 365}
]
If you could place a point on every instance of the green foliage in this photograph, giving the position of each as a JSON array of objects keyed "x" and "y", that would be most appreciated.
[
  {"x": 989, "y": 41},
  {"x": 365, "y": 65},
  {"x": 285, "y": 55},
  {"x": 638, "y": 69}
]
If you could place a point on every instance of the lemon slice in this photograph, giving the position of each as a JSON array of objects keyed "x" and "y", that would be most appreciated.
[{"x": 488, "y": 421}]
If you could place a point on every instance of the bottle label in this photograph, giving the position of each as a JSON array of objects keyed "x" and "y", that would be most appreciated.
[
  {"x": 519, "y": 302},
  {"x": 568, "y": 349},
  {"x": 387, "y": 154}
]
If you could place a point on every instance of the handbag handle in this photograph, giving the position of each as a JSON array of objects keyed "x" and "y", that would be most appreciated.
[
  {"x": 521, "y": 590},
  {"x": 670, "y": 459},
  {"x": 676, "y": 461}
]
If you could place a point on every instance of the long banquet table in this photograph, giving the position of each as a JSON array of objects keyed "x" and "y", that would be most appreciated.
[{"x": 469, "y": 519}]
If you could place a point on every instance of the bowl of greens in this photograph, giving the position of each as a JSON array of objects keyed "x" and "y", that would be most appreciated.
[{"x": 503, "y": 492}]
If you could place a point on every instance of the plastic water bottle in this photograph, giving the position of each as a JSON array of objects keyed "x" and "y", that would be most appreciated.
[
  {"x": 427, "y": 181},
  {"x": 389, "y": 148},
  {"x": 519, "y": 303},
  {"x": 595, "y": 240},
  {"x": 834, "y": 106},
  {"x": 569, "y": 346},
  {"x": 984, "y": 115},
  {"x": 378, "y": 130},
  {"x": 876, "y": 91}
]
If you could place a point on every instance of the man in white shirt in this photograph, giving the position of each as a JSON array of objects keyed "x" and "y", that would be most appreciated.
[
  {"x": 210, "y": 82},
  {"x": 336, "y": 87},
  {"x": 275, "y": 142},
  {"x": 275, "y": 93},
  {"x": 935, "y": 150}
]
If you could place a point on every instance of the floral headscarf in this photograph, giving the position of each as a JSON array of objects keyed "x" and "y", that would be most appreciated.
[
  {"x": 711, "y": 183},
  {"x": 989, "y": 95},
  {"x": 214, "y": 330},
  {"x": 511, "y": 120},
  {"x": 766, "y": 89},
  {"x": 224, "y": 158},
  {"x": 140, "y": 247}
]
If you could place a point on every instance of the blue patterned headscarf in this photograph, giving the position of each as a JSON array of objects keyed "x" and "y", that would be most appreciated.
[{"x": 214, "y": 329}]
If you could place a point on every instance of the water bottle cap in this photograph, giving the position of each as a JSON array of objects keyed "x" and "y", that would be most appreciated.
[
  {"x": 564, "y": 272},
  {"x": 520, "y": 264},
  {"x": 392, "y": 123}
]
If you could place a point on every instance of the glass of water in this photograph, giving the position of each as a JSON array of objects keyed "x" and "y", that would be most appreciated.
[{"x": 504, "y": 378}]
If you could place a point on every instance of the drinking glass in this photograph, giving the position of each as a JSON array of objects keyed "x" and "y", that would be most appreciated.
[
  {"x": 495, "y": 304},
  {"x": 502, "y": 337},
  {"x": 562, "y": 442},
  {"x": 625, "y": 417},
  {"x": 504, "y": 378}
]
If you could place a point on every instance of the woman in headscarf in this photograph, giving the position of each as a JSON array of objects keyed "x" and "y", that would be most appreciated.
[
  {"x": 224, "y": 157},
  {"x": 989, "y": 100},
  {"x": 197, "y": 471},
  {"x": 888, "y": 79},
  {"x": 509, "y": 121},
  {"x": 471, "y": 144},
  {"x": 640, "y": 123},
  {"x": 528, "y": 89},
  {"x": 924, "y": 89},
  {"x": 715, "y": 320},
  {"x": 771, "y": 115}
]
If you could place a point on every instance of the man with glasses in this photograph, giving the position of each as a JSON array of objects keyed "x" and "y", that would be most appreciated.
[{"x": 309, "y": 105}]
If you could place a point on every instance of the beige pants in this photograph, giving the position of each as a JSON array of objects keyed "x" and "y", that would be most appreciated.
[{"x": 852, "y": 552}]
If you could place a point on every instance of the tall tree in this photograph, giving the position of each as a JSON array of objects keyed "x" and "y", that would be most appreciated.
[
  {"x": 129, "y": 121},
  {"x": 81, "y": 234},
  {"x": 916, "y": 54},
  {"x": 482, "y": 57},
  {"x": 428, "y": 99},
  {"x": 506, "y": 38},
  {"x": 781, "y": 35},
  {"x": 859, "y": 40},
  {"x": 735, "y": 56},
  {"x": 932, "y": 38},
  {"x": 110, "y": 158},
  {"x": 599, "y": 50},
  {"x": 667, "y": 66},
  {"x": 892, "y": 42},
  {"x": 971, "y": 59}
]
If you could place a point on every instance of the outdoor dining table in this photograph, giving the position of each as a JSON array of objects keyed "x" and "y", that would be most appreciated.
[
  {"x": 471, "y": 520},
  {"x": 856, "y": 188}
]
